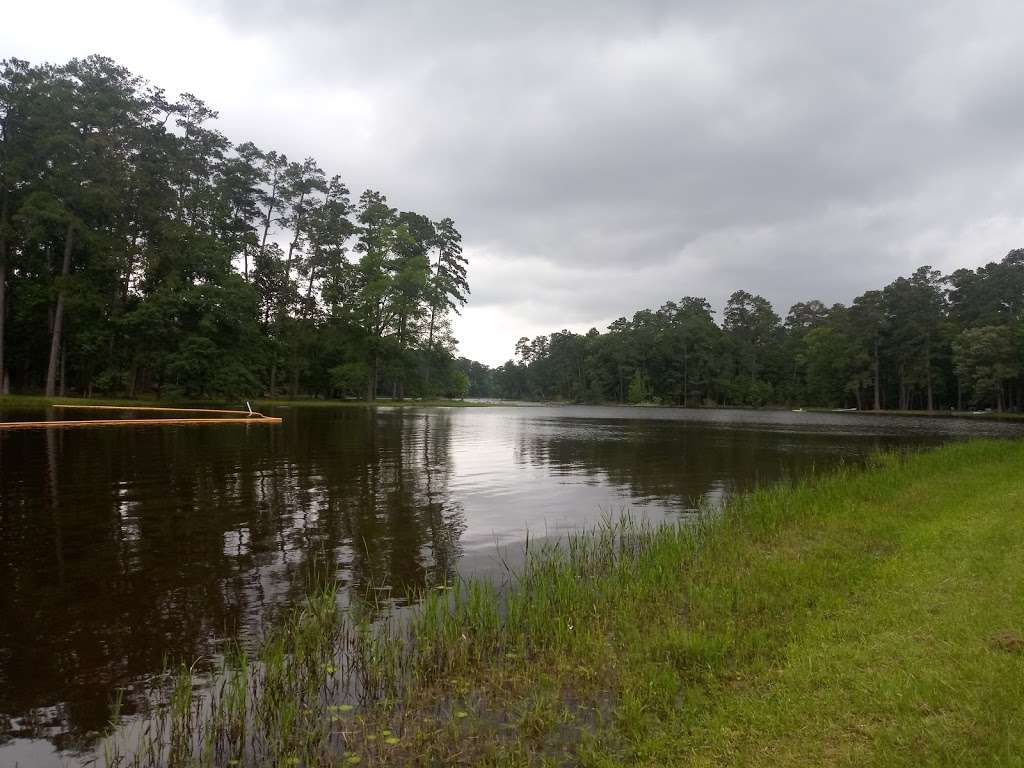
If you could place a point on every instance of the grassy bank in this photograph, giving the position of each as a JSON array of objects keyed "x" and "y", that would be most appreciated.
[
  {"x": 992, "y": 415},
  {"x": 380, "y": 402},
  {"x": 867, "y": 618},
  {"x": 38, "y": 401}
]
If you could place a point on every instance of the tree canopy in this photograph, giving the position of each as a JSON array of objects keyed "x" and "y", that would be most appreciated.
[
  {"x": 141, "y": 251},
  {"x": 926, "y": 341}
]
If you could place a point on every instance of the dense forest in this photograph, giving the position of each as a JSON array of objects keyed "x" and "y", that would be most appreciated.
[
  {"x": 925, "y": 342},
  {"x": 142, "y": 253}
]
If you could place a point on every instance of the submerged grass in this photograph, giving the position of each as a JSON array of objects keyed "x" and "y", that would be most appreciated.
[{"x": 871, "y": 617}]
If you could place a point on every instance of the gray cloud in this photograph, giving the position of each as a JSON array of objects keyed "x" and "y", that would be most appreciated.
[{"x": 602, "y": 157}]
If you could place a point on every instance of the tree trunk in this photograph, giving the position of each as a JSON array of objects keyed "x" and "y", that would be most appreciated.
[
  {"x": 3, "y": 310},
  {"x": 309, "y": 288},
  {"x": 273, "y": 379},
  {"x": 928, "y": 374},
  {"x": 58, "y": 316},
  {"x": 399, "y": 392},
  {"x": 433, "y": 317},
  {"x": 686, "y": 376},
  {"x": 430, "y": 332},
  {"x": 63, "y": 368},
  {"x": 430, "y": 349},
  {"x": 4, "y": 211},
  {"x": 49, "y": 305},
  {"x": 295, "y": 239},
  {"x": 371, "y": 380},
  {"x": 878, "y": 402},
  {"x": 271, "y": 204},
  {"x": 126, "y": 278}
]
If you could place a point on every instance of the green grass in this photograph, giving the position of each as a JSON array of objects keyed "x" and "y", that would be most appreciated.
[
  {"x": 874, "y": 621},
  {"x": 39, "y": 401},
  {"x": 871, "y": 617}
]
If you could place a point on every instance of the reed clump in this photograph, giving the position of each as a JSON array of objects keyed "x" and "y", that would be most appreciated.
[{"x": 364, "y": 683}]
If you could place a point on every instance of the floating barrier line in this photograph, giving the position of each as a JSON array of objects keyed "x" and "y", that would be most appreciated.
[{"x": 239, "y": 417}]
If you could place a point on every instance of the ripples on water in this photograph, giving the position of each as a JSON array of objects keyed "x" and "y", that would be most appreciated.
[{"x": 122, "y": 547}]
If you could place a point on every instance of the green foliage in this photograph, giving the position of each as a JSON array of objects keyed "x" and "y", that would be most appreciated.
[
  {"x": 638, "y": 391},
  {"x": 141, "y": 252},
  {"x": 458, "y": 386},
  {"x": 986, "y": 358},
  {"x": 349, "y": 378},
  {"x": 922, "y": 342}
]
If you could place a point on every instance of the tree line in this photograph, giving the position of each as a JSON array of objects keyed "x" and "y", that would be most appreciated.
[
  {"x": 926, "y": 341},
  {"x": 142, "y": 252}
]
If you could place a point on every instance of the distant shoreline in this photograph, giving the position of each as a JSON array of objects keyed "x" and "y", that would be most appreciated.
[{"x": 39, "y": 401}]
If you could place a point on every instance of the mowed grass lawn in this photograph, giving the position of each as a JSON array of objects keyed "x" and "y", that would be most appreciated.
[{"x": 874, "y": 618}]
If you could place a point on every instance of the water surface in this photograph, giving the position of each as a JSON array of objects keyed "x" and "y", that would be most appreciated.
[{"x": 123, "y": 547}]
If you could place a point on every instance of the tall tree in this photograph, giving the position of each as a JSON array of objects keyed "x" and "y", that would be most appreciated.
[
  {"x": 867, "y": 323},
  {"x": 448, "y": 284},
  {"x": 238, "y": 181},
  {"x": 914, "y": 309},
  {"x": 301, "y": 183},
  {"x": 986, "y": 358},
  {"x": 374, "y": 301},
  {"x": 272, "y": 170},
  {"x": 15, "y": 161},
  {"x": 125, "y": 217},
  {"x": 753, "y": 328}
]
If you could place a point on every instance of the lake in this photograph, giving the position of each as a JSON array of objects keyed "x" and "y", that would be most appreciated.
[{"x": 121, "y": 548}]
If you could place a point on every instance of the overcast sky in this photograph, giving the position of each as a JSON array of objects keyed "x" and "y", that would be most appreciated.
[{"x": 603, "y": 157}]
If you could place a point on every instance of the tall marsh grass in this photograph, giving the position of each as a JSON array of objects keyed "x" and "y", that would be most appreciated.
[{"x": 329, "y": 684}]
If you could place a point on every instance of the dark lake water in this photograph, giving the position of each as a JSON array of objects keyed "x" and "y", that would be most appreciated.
[{"x": 123, "y": 547}]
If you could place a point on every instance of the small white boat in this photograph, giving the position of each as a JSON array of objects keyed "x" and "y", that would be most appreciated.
[
  {"x": 843, "y": 410},
  {"x": 798, "y": 410}
]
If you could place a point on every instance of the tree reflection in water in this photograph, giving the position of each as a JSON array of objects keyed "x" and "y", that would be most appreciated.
[{"x": 121, "y": 551}]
